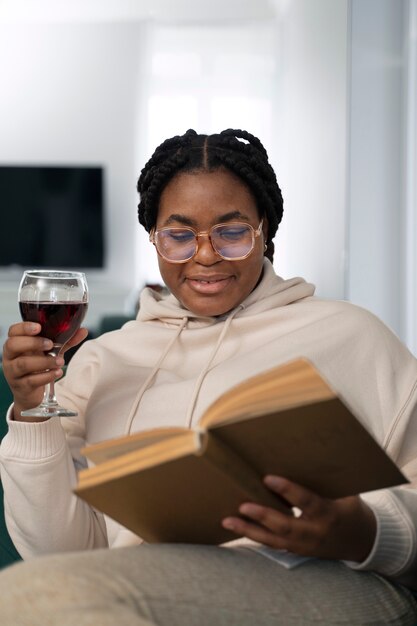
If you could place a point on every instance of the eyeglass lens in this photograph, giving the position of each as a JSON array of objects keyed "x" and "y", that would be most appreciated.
[{"x": 228, "y": 240}]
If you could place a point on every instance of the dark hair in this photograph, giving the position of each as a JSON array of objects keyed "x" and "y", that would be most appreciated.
[{"x": 192, "y": 152}]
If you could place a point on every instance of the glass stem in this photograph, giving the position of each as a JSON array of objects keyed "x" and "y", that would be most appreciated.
[{"x": 49, "y": 398}]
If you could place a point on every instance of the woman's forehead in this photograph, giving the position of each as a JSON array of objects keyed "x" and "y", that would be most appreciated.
[{"x": 218, "y": 195}]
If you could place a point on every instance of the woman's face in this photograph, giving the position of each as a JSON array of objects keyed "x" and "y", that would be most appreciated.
[{"x": 208, "y": 284}]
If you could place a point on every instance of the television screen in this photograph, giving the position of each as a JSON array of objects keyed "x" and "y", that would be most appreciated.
[{"x": 51, "y": 217}]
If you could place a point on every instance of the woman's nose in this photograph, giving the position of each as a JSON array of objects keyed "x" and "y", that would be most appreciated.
[{"x": 206, "y": 255}]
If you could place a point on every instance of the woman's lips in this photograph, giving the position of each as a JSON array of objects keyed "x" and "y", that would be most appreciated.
[{"x": 209, "y": 284}]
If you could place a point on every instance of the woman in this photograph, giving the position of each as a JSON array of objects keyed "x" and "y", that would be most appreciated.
[{"x": 212, "y": 206}]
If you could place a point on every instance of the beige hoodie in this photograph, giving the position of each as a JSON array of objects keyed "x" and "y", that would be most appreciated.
[{"x": 169, "y": 365}]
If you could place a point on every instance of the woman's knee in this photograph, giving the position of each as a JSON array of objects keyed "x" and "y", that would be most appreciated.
[{"x": 66, "y": 589}]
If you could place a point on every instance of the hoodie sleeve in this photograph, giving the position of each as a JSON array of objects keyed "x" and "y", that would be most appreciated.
[
  {"x": 394, "y": 553},
  {"x": 39, "y": 462}
]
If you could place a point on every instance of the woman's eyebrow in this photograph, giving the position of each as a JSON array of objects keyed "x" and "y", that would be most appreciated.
[
  {"x": 182, "y": 219},
  {"x": 188, "y": 221},
  {"x": 232, "y": 215}
]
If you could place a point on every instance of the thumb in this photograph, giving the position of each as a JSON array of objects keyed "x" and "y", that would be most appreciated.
[{"x": 77, "y": 338}]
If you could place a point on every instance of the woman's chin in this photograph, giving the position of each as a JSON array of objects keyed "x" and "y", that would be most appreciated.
[{"x": 208, "y": 305}]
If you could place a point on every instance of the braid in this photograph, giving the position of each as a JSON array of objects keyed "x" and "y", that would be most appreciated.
[
  {"x": 155, "y": 179},
  {"x": 192, "y": 152},
  {"x": 243, "y": 134}
]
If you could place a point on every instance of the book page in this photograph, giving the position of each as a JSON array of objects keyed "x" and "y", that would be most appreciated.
[
  {"x": 294, "y": 384},
  {"x": 165, "y": 450},
  {"x": 112, "y": 448},
  {"x": 289, "y": 560}
]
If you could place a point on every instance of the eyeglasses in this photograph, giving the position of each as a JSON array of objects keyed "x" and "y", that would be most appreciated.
[{"x": 232, "y": 242}]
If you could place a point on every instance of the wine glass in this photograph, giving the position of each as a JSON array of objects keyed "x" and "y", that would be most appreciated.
[{"x": 58, "y": 301}]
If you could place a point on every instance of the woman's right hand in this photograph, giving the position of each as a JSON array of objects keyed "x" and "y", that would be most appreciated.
[{"x": 27, "y": 368}]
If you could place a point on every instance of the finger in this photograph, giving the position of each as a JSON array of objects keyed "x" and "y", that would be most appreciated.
[
  {"x": 273, "y": 520},
  {"x": 26, "y": 365},
  {"x": 24, "y": 328},
  {"x": 300, "y": 497},
  {"x": 255, "y": 532},
  {"x": 17, "y": 345},
  {"x": 30, "y": 383}
]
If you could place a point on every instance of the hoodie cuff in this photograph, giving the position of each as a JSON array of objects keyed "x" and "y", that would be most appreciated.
[
  {"x": 32, "y": 440},
  {"x": 395, "y": 537}
]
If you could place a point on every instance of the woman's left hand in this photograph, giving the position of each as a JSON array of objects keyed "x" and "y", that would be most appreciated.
[{"x": 342, "y": 529}]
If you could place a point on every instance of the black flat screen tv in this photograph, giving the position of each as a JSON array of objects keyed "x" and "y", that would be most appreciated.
[{"x": 51, "y": 217}]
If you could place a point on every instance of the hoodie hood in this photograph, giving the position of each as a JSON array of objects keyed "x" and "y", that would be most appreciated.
[{"x": 271, "y": 292}]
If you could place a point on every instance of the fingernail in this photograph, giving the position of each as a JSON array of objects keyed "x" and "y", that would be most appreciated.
[
  {"x": 274, "y": 481},
  {"x": 60, "y": 361},
  {"x": 33, "y": 328},
  {"x": 228, "y": 523},
  {"x": 58, "y": 373},
  {"x": 47, "y": 344},
  {"x": 249, "y": 509}
]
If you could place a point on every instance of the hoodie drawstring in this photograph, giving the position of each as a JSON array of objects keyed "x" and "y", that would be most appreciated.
[
  {"x": 151, "y": 376},
  {"x": 199, "y": 382}
]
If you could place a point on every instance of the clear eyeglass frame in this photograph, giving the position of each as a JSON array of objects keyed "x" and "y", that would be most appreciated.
[{"x": 153, "y": 238}]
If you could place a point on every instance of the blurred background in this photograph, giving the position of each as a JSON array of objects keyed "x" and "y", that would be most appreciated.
[{"x": 88, "y": 88}]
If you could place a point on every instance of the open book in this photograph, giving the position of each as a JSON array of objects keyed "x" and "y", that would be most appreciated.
[{"x": 177, "y": 484}]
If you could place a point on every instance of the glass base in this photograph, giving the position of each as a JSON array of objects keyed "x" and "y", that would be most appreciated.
[{"x": 46, "y": 411}]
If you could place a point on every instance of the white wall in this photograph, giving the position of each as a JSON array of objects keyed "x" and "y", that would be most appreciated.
[
  {"x": 409, "y": 136},
  {"x": 310, "y": 142},
  {"x": 376, "y": 212},
  {"x": 70, "y": 95},
  {"x": 346, "y": 156},
  {"x": 382, "y": 267}
]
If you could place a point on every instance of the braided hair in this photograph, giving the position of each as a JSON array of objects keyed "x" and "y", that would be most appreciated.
[{"x": 192, "y": 152}]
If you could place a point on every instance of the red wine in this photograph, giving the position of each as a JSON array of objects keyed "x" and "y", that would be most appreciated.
[{"x": 59, "y": 320}]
